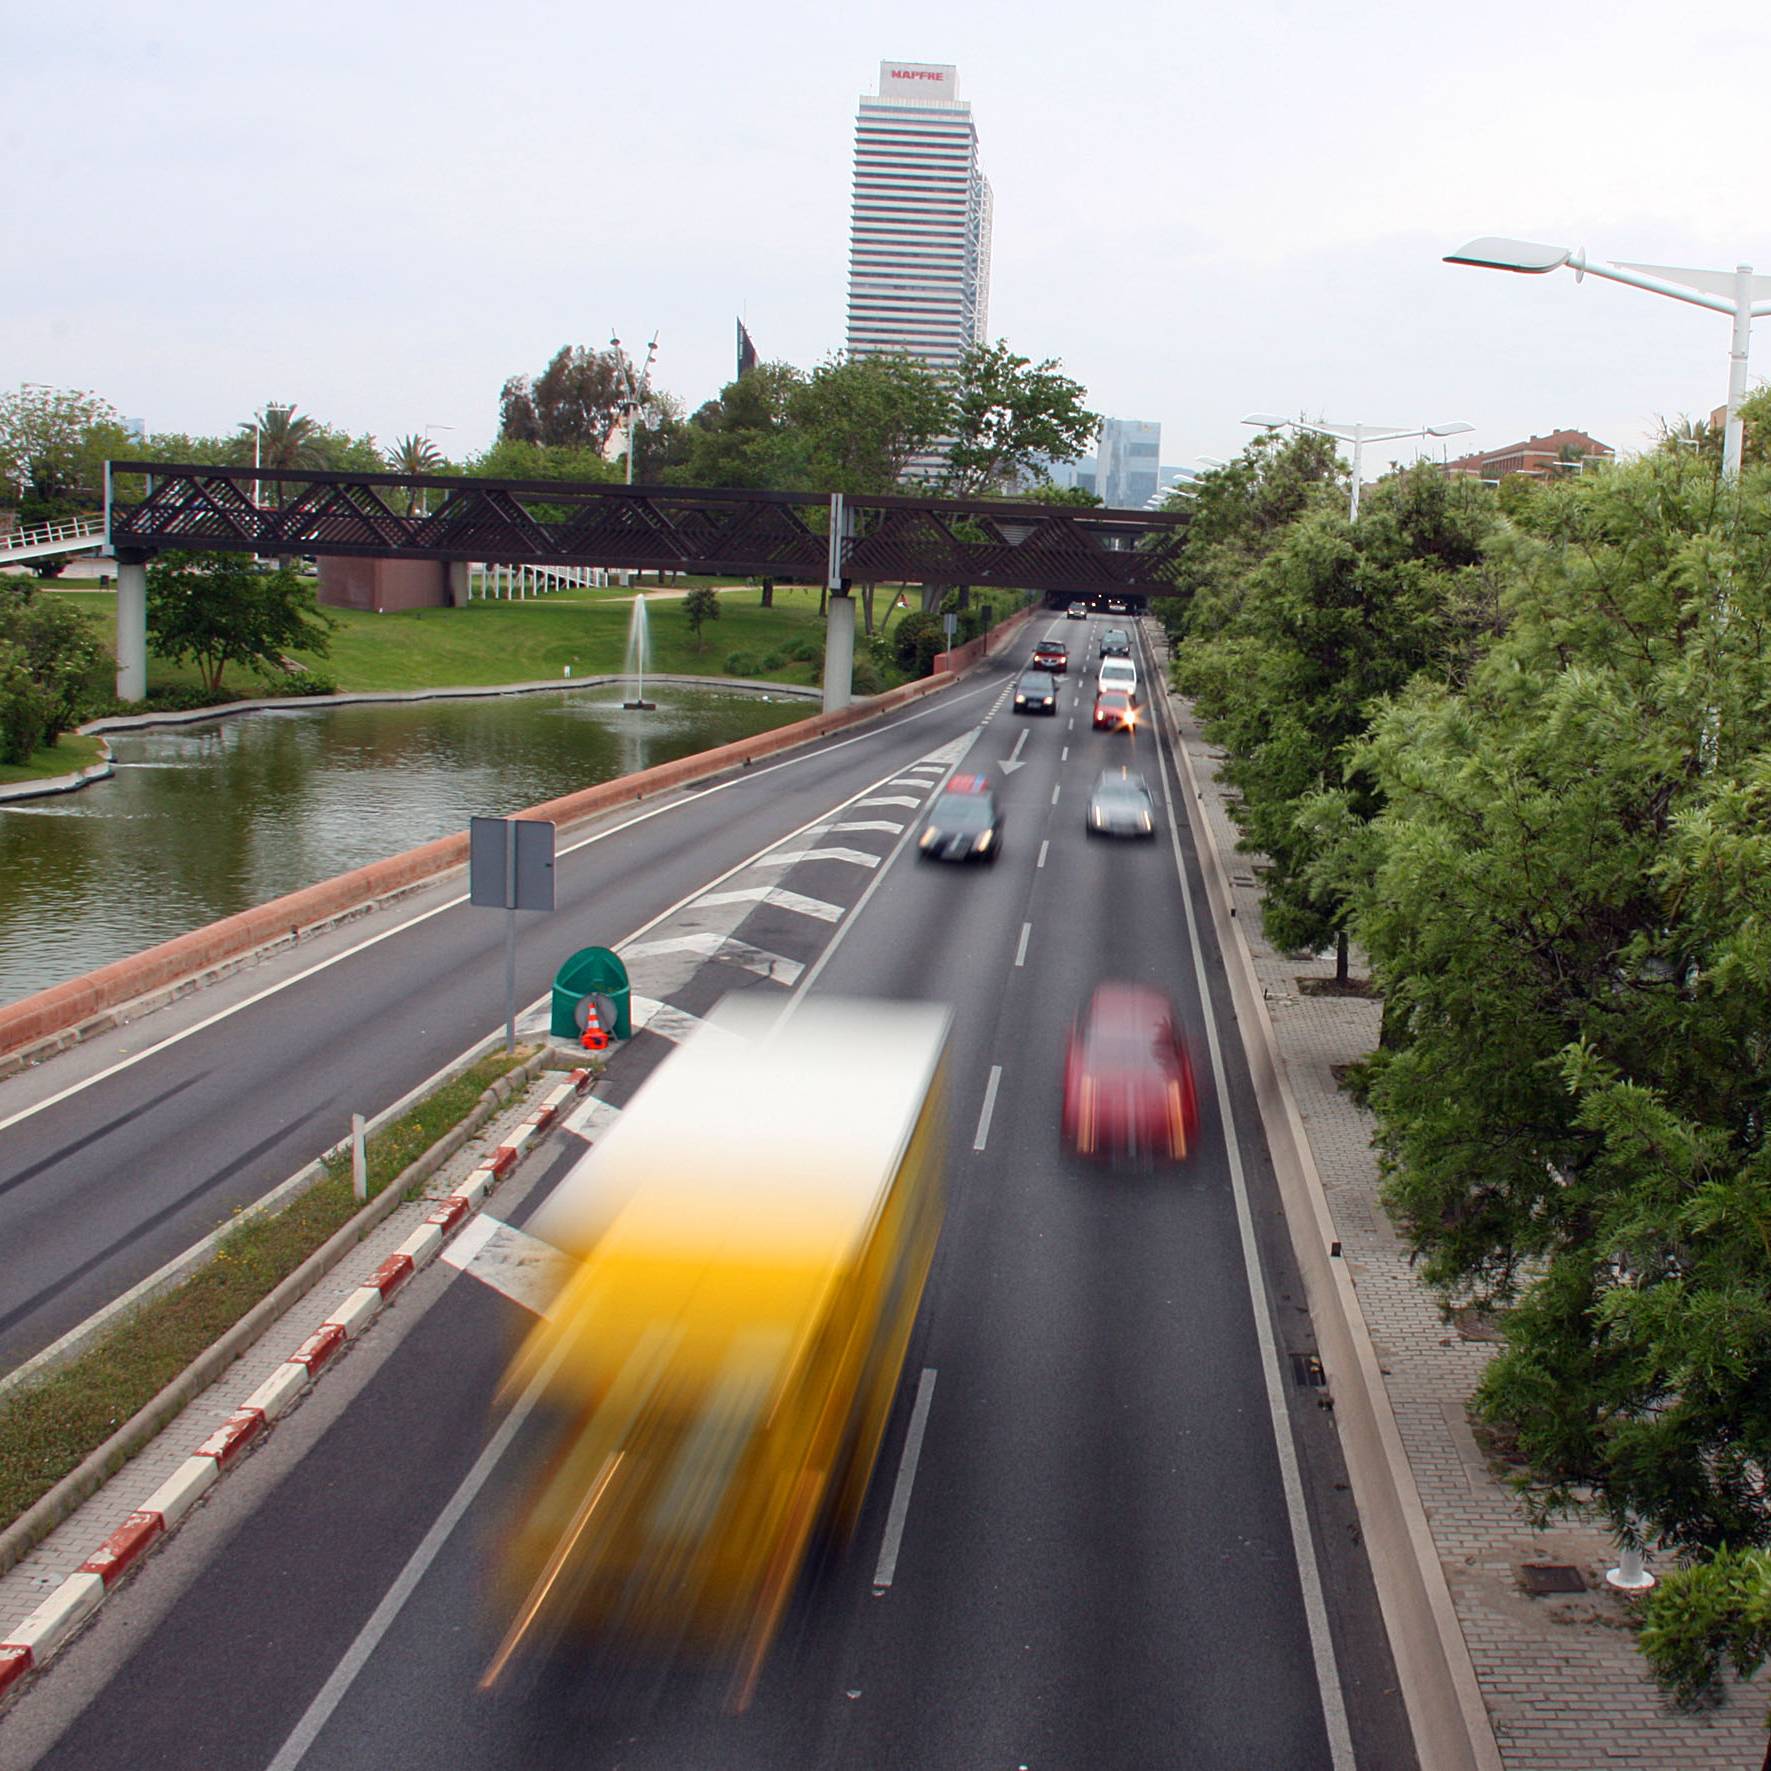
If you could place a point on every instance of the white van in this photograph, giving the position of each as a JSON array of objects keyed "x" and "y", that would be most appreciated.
[{"x": 1118, "y": 673}]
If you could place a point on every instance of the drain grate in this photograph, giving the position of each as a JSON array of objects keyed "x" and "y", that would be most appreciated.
[
  {"x": 1538, "y": 1578},
  {"x": 1307, "y": 1372}
]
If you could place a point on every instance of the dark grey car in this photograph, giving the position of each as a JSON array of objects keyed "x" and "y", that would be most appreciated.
[
  {"x": 1119, "y": 804},
  {"x": 1036, "y": 693}
]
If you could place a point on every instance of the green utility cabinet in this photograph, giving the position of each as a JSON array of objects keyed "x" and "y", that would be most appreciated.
[{"x": 591, "y": 971}]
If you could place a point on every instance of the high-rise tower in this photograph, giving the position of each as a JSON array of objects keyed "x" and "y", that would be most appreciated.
[{"x": 919, "y": 239}]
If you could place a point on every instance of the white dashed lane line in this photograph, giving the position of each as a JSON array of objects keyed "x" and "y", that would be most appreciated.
[
  {"x": 1021, "y": 951},
  {"x": 983, "y": 1135},
  {"x": 1054, "y": 796},
  {"x": 1042, "y": 849}
]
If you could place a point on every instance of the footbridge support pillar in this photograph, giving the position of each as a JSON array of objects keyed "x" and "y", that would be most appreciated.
[
  {"x": 839, "y": 651},
  {"x": 132, "y": 628}
]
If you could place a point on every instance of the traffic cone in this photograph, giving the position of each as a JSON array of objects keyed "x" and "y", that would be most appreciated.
[{"x": 595, "y": 1039}]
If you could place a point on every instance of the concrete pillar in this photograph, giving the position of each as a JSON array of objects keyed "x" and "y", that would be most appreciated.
[
  {"x": 839, "y": 650},
  {"x": 132, "y": 630},
  {"x": 459, "y": 587}
]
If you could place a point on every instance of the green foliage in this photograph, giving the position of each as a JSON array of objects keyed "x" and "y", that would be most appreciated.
[
  {"x": 1569, "y": 905},
  {"x": 864, "y": 419},
  {"x": 748, "y": 436},
  {"x": 915, "y": 641},
  {"x": 219, "y": 609},
  {"x": 1050, "y": 494},
  {"x": 573, "y": 403},
  {"x": 510, "y": 459},
  {"x": 1708, "y": 1617},
  {"x": 741, "y": 664},
  {"x": 53, "y": 672},
  {"x": 699, "y": 606},
  {"x": 865, "y": 677},
  {"x": 53, "y": 446},
  {"x": 1010, "y": 414}
]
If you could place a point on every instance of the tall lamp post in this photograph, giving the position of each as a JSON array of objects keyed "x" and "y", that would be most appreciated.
[
  {"x": 1737, "y": 293},
  {"x": 1358, "y": 435},
  {"x": 427, "y": 430},
  {"x": 630, "y": 402},
  {"x": 259, "y": 420}
]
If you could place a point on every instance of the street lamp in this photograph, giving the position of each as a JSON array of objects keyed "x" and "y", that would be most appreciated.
[
  {"x": 427, "y": 430},
  {"x": 1358, "y": 435},
  {"x": 1737, "y": 293},
  {"x": 630, "y": 404},
  {"x": 259, "y": 419}
]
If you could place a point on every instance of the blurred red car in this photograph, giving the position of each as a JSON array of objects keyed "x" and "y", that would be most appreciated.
[
  {"x": 1128, "y": 1081},
  {"x": 1115, "y": 711}
]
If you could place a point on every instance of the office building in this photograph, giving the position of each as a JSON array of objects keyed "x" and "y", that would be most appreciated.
[
  {"x": 1536, "y": 456},
  {"x": 1128, "y": 459},
  {"x": 919, "y": 239}
]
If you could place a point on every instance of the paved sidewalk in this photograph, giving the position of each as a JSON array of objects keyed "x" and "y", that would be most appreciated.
[
  {"x": 61, "y": 1554},
  {"x": 1564, "y": 1685}
]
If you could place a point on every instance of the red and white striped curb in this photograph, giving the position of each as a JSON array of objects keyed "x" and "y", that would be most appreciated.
[{"x": 55, "y": 1621}]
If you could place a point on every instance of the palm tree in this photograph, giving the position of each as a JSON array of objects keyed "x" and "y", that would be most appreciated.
[
  {"x": 415, "y": 455},
  {"x": 279, "y": 436}
]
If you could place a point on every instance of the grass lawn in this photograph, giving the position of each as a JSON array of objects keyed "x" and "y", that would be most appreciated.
[
  {"x": 71, "y": 755},
  {"x": 534, "y": 640}
]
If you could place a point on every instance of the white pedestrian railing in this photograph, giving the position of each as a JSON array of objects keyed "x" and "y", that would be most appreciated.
[
  {"x": 517, "y": 583},
  {"x": 47, "y": 537}
]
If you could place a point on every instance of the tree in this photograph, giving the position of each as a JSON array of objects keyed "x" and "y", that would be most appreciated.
[
  {"x": 748, "y": 436},
  {"x": 415, "y": 455},
  {"x": 865, "y": 419},
  {"x": 700, "y": 605},
  {"x": 280, "y": 437},
  {"x": 573, "y": 403},
  {"x": 1009, "y": 415},
  {"x": 53, "y": 445},
  {"x": 220, "y": 609},
  {"x": 62, "y": 656},
  {"x": 1569, "y": 907},
  {"x": 1334, "y": 617}
]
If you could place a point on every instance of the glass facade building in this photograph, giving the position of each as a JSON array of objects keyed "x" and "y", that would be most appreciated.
[{"x": 919, "y": 235}]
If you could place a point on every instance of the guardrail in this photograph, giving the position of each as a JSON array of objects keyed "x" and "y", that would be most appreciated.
[{"x": 47, "y": 537}]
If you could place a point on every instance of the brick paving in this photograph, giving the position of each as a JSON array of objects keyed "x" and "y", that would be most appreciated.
[{"x": 1565, "y": 1688}]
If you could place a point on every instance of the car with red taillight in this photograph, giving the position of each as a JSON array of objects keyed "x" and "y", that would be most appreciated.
[{"x": 1128, "y": 1079}]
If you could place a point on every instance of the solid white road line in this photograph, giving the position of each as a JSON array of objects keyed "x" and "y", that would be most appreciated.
[
  {"x": 900, "y": 1507},
  {"x": 368, "y": 1638},
  {"x": 1021, "y": 951},
  {"x": 1328, "y": 1684},
  {"x": 983, "y": 1136},
  {"x": 1042, "y": 849}
]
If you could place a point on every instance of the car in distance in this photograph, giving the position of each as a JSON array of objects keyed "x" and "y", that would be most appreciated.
[
  {"x": 1119, "y": 804},
  {"x": 1115, "y": 643},
  {"x": 1128, "y": 1079},
  {"x": 1115, "y": 711},
  {"x": 1052, "y": 655},
  {"x": 1077, "y": 612},
  {"x": 1036, "y": 693},
  {"x": 964, "y": 823},
  {"x": 1115, "y": 605}
]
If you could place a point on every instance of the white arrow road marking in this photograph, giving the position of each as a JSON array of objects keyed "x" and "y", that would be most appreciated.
[
  {"x": 728, "y": 948},
  {"x": 1012, "y": 761},
  {"x": 522, "y": 1267},
  {"x": 854, "y": 857},
  {"x": 780, "y": 898}
]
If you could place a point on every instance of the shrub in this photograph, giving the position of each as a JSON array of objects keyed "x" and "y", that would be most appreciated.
[
  {"x": 907, "y": 640},
  {"x": 772, "y": 661},
  {"x": 804, "y": 652},
  {"x": 865, "y": 679},
  {"x": 22, "y": 712},
  {"x": 741, "y": 664}
]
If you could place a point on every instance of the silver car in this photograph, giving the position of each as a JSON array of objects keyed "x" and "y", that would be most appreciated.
[{"x": 1119, "y": 804}]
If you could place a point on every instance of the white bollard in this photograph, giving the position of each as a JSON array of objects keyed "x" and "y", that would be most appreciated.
[
  {"x": 359, "y": 1162},
  {"x": 1629, "y": 1576}
]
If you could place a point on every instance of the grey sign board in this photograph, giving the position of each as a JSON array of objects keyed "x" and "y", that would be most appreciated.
[{"x": 497, "y": 878}]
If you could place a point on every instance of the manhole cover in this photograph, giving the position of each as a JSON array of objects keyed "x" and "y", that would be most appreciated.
[{"x": 1551, "y": 1577}]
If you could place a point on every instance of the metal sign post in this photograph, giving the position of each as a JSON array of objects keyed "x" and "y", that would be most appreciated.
[{"x": 510, "y": 868}]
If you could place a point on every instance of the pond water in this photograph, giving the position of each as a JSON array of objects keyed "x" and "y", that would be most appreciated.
[{"x": 203, "y": 820}]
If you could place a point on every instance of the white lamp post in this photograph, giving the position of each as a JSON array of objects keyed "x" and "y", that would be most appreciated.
[
  {"x": 1358, "y": 435},
  {"x": 427, "y": 430},
  {"x": 1737, "y": 293},
  {"x": 631, "y": 402}
]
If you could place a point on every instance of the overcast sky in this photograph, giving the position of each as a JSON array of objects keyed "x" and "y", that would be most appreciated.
[{"x": 381, "y": 211}]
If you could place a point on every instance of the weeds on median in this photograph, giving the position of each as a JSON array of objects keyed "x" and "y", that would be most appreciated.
[{"x": 47, "y": 1427}]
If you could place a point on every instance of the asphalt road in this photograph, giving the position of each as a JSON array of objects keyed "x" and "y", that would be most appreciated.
[{"x": 1128, "y": 1541}]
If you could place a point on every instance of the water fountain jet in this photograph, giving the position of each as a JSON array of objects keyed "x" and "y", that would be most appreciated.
[{"x": 639, "y": 655}]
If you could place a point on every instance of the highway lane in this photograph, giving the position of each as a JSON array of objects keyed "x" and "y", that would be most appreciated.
[
  {"x": 101, "y": 1189},
  {"x": 1098, "y": 1566}
]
